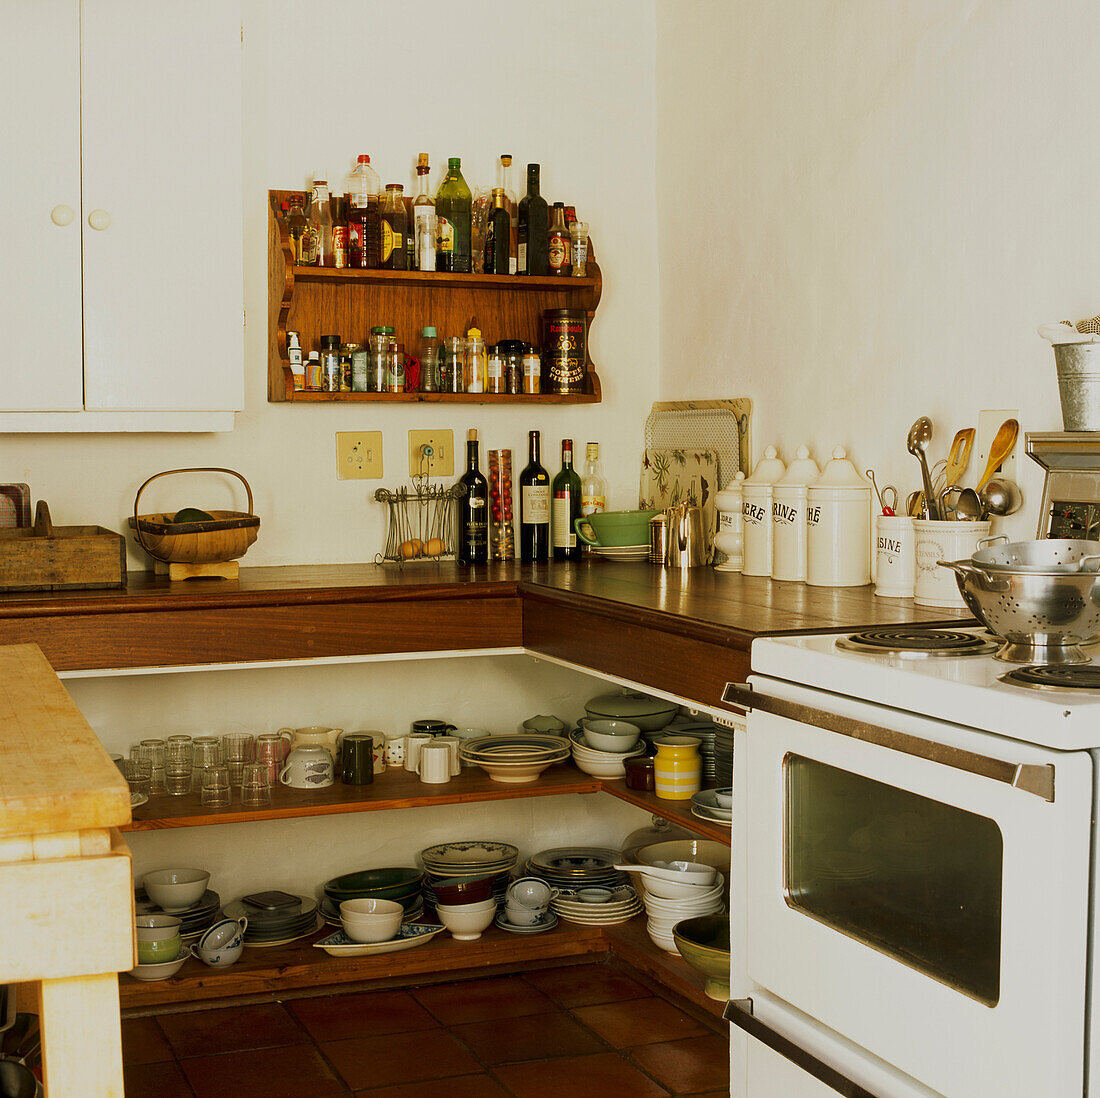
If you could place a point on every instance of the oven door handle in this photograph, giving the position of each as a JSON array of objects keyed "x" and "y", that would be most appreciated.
[
  {"x": 1035, "y": 778},
  {"x": 739, "y": 1013}
]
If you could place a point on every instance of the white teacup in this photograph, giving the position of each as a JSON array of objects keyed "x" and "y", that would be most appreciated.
[
  {"x": 518, "y": 915},
  {"x": 309, "y": 767},
  {"x": 222, "y": 944},
  {"x": 530, "y": 892}
]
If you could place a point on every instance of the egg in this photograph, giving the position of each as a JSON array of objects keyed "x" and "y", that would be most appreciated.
[{"x": 435, "y": 547}]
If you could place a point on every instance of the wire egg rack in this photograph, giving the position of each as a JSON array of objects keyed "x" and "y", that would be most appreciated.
[{"x": 421, "y": 524}]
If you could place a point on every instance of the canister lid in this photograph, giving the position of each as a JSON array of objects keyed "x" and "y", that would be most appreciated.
[
  {"x": 729, "y": 499},
  {"x": 768, "y": 469},
  {"x": 802, "y": 471},
  {"x": 841, "y": 473}
]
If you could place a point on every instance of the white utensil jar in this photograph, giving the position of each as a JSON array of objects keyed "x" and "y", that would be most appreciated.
[
  {"x": 756, "y": 493},
  {"x": 936, "y": 541},
  {"x": 838, "y": 521},
  {"x": 789, "y": 531},
  {"x": 895, "y": 556}
]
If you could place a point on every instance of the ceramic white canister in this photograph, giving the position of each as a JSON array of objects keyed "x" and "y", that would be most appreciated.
[
  {"x": 838, "y": 520},
  {"x": 936, "y": 541},
  {"x": 756, "y": 507},
  {"x": 789, "y": 530},
  {"x": 895, "y": 556},
  {"x": 730, "y": 538}
]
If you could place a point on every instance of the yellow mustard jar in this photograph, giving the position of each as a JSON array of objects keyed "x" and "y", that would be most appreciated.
[{"x": 677, "y": 769}]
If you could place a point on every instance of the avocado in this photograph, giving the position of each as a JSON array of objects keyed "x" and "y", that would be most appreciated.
[{"x": 192, "y": 514}]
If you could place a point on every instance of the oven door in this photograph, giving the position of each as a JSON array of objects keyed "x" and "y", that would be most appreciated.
[{"x": 918, "y": 889}]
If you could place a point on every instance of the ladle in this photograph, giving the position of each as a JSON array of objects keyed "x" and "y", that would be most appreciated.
[
  {"x": 1000, "y": 497},
  {"x": 968, "y": 507},
  {"x": 920, "y": 435}
]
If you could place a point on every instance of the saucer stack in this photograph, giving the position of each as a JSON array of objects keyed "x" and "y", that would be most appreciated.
[
  {"x": 274, "y": 917},
  {"x": 723, "y": 755},
  {"x": 469, "y": 858},
  {"x": 622, "y": 904},
  {"x": 194, "y": 921},
  {"x": 576, "y": 867}
]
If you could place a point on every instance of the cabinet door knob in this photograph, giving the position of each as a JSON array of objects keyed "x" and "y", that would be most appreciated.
[
  {"x": 99, "y": 219},
  {"x": 61, "y": 215}
]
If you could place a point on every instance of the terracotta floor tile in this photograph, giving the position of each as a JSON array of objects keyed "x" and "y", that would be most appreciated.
[
  {"x": 337, "y": 1017},
  {"x": 584, "y": 985},
  {"x": 464, "y": 1086},
  {"x": 230, "y": 1029},
  {"x": 690, "y": 1066},
  {"x": 480, "y": 1000},
  {"x": 606, "y": 1075},
  {"x": 159, "y": 1080},
  {"x": 639, "y": 1022},
  {"x": 399, "y": 1058},
  {"x": 532, "y": 1037},
  {"x": 297, "y": 1071},
  {"x": 143, "y": 1042}
]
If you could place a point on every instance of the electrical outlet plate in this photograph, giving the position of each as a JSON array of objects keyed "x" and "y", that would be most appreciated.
[
  {"x": 988, "y": 424},
  {"x": 440, "y": 459},
  {"x": 359, "y": 455}
]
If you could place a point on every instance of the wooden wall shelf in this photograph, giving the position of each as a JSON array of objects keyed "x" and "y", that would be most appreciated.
[{"x": 317, "y": 301}]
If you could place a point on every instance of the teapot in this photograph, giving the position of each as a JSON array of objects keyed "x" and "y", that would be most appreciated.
[
  {"x": 315, "y": 735},
  {"x": 685, "y": 545}
]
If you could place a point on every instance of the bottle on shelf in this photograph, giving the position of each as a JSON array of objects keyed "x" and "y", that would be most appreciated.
[
  {"x": 453, "y": 209},
  {"x": 496, "y": 236},
  {"x": 566, "y": 506},
  {"x": 476, "y": 366},
  {"x": 428, "y": 353},
  {"x": 423, "y": 222},
  {"x": 363, "y": 187},
  {"x": 395, "y": 374},
  {"x": 473, "y": 509},
  {"x": 534, "y": 228},
  {"x": 504, "y": 179},
  {"x": 593, "y": 486},
  {"x": 557, "y": 248},
  {"x": 339, "y": 206},
  {"x": 297, "y": 227},
  {"x": 393, "y": 255},
  {"x": 534, "y": 506},
  {"x": 320, "y": 220}
]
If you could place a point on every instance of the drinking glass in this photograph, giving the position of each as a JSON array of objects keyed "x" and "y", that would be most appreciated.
[
  {"x": 215, "y": 787},
  {"x": 271, "y": 751},
  {"x": 207, "y": 752},
  {"x": 255, "y": 786},
  {"x": 178, "y": 767},
  {"x": 238, "y": 748},
  {"x": 153, "y": 751},
  {"x": 138, "y": 775}
]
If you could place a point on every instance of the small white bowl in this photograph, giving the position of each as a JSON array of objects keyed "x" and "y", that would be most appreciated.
[
  {"x": 665, "y": 889},
  {"x": 160, "y": 971},
  {"x": 610, "y": 735},
  {"x": 481, "y": 905},
  {"x": 724, "y": 797},
  {"x": 176, "y": 889},
  {"x": 371, "y": 920},
  {"x": 594, "y": 895},
  {"x": 466, "y": 923}
]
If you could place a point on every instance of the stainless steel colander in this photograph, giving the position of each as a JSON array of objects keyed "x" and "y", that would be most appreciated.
[
  {"x": 1038, "y": 555},
  {"x": 1043, "y": 617}
]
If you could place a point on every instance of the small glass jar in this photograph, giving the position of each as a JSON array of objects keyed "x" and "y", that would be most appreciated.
[
  {"x": 511, "y": 350},
  {"x": 395, "y": 370},
  {"x": 360, "y": 369},
  {"x": 330, "y": 364},
  {"x": 347, "y": 352},
  {"x": 494, "y": 372},
  {"x": 532, "y": 371},
  {"x": 379, "y": 359},
  {"x": 452, "y": 365},
  {"x": 502, "y": 541},
  {"x": 475, "y": 362}
]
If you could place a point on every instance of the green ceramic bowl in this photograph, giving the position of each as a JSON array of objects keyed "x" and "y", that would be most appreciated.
[
  {"x": 391, "y": 883},
  {"x": 608, "y": 529},
  {"x": 704, "y": 942}
]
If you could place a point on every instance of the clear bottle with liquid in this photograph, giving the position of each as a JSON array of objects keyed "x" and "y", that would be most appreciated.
[
  {"x": 423, "y": 219},
  {"x": 363, "y": 187},
  {"x": 320, "y": 221},
  {"x": 593, "y": 486}
]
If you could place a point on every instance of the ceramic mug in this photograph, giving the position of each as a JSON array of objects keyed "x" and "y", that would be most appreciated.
[
  {"x": 395, "y": 750},
  {"x": 433, "y": 765},
  {"x": 357, "y": 759},
  {"x": 413, "y": 743},
  {"x": 309, "y": 767},
  {"x": 452, "y": 743},
  {"x": 431, "y": 727}
]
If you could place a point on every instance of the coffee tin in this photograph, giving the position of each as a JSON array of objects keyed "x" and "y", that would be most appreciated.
[{"x": 564, "y": 350}]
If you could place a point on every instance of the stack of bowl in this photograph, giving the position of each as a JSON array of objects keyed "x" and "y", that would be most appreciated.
[
  {"x": 467, "y": 873},
  {"x": 160, "y": 952},
  {"x": 680, "y": 891},
  {"x": 707, "y": 851},
  {"x": 598, "y": 761},
  {"x": 516, "y": 758},
  {"x": 181, "y": 893},
  {"x": 399, "y": 883},
  {"x": 468, "y": 889},
  {"x": 371, "y": 920}
]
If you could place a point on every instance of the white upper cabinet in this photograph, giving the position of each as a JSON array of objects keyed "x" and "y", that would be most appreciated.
[{"x": 129, "y": 315}]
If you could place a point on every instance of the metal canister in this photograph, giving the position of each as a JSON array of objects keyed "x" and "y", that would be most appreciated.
[
  {"x": 658, "y": 539},
  {"x": 564, "y": 350},
  {"x": 1078, "y": 367}
]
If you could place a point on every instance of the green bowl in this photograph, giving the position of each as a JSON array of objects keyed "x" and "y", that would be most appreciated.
[
  {"x": 610, "y": 529},
  {"x": 391, "y": 883},
  {"x": 704, "y": 942}
]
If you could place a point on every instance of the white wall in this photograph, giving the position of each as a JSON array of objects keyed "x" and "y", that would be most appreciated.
[
  {"x": 866, "y": 209},
  {"x": 474, "y": 80}
]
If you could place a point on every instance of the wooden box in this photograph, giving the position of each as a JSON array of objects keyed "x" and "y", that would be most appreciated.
[{"x": 44, "y": 557}]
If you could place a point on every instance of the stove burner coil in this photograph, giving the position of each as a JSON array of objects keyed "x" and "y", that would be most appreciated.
[
  {"x": 1055, "y": 677},
  {"x": 934, "y": 641}
]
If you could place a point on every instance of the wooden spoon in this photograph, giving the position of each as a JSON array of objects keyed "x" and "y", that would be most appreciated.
[
  {"x": 1000, "y": 448},
  {"x": 958, "y": 457}
]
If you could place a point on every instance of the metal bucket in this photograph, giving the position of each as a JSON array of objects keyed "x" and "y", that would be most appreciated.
[{"x": 1079, "y": 385}]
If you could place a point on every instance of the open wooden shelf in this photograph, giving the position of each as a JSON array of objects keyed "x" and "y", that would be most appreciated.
[
  {"x": 317, "y": 301},
  {"x": 679, "y": 812}
]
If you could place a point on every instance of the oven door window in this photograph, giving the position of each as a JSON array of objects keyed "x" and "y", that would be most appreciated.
[{"x": 912, "y": 877}]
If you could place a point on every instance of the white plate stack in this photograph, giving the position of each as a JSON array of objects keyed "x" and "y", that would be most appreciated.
[{"x": 622, "y": 903}]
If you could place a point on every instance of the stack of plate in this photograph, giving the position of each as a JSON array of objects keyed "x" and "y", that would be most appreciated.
[
  {"x": 723, "y": 755},
  {"x": 469, "y": 858},
  {"x": 576, "y": 867},
  {"x": 705, "y": 805},
  {"x": 194, "y": 921},
  {"x": 624, "y": 904},
  {"x": 622, "y": 552},
  {"x": 515, "y": 758},
  {"x": 275, "y": 917}
]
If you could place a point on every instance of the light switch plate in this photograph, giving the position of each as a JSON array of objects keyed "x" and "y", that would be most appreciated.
[
  {"x": 358, "y": 455},
  {"x": 441, "y": 459}
]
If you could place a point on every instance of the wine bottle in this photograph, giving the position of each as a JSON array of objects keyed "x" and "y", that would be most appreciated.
[
  {"x": 593, "y": 486},
  {"x": 534, "y": 506},
  {"x": 453, "y": 203},
  {"x": 534, "y": 228},
  {"x": 566, "y": 506},
  {"x": 473, "y": 509},
  {"x": 496, "y": 235}
]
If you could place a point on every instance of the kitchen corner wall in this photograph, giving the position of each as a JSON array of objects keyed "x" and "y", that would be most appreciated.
[
  {"x": 867, "y": 208},
  {"x": 566, "y": 83}
]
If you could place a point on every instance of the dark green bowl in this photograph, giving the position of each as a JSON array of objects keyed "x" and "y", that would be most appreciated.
[{"x": 390, "y": 883}]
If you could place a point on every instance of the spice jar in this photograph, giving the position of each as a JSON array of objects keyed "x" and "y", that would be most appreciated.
[
  {"x": 452, "y": 365},
  {"x": 429, "y": 361},
  {"x": 330, "y": 363},
  {"x": 757, "y": 511},
  {"x": 532, "y": 371},
  {"x": 789, "y": 517},
  {"x": 395, "y": 370},
  {"x": 502, "y": 542},
  {"x": 378, "y": 365},
  {"x": 494, "y": 372},
  {"x": 347, "y": 352},
  {"x": 511, "y": 351},
  {"x": 838, "y": 517},
  {"x": 360, "y": 369},
  {"x": 475, "y": 361}
]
